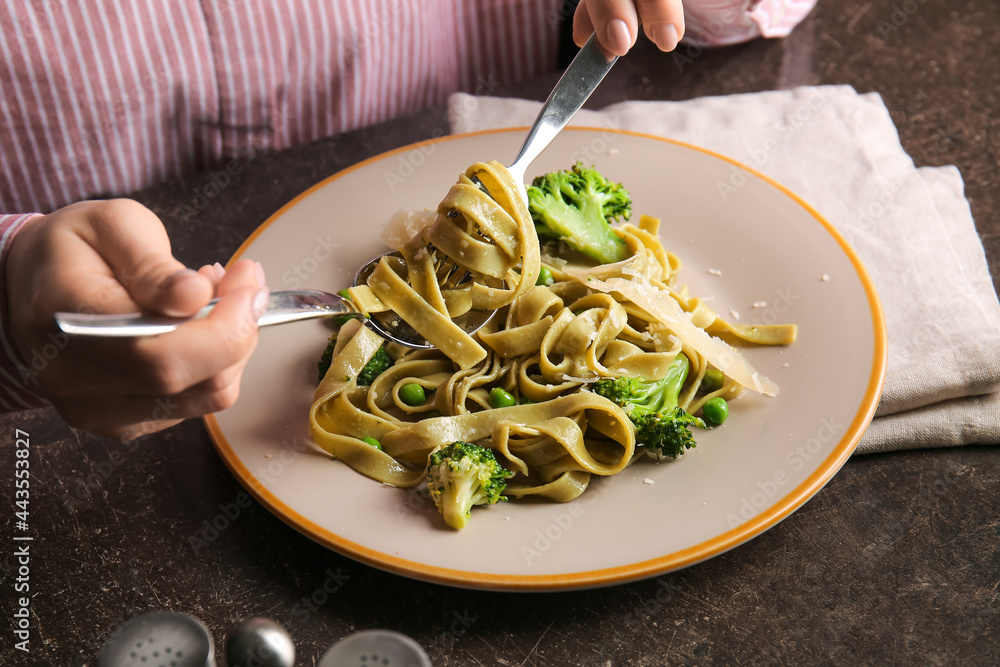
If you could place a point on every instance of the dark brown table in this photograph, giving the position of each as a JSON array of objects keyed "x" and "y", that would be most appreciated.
[{"x": 896, "y": 561}]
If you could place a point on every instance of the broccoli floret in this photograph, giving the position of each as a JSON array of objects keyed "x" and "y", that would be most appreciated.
[
  {"x": 461, "y": 475},
  {"x": 578, "y": 206},
  {"x": 638, "y": 396},
  {"x": 326, "y": 358},
  {"x": 379, "y": 362},
  {"x": 666, "y": 434},
  {"x": 661, "y": 426}
]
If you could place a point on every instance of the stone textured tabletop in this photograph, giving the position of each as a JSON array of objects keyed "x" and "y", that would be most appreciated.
[{"x": 896, "y": 561}]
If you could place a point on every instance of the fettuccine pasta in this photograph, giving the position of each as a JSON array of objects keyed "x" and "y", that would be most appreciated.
[{"x": 547, "y": 347}]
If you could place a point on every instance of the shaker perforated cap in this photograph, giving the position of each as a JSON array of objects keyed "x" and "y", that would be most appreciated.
[
  {"x": 159, "y": 639},
  {"x": 376, "y": 648}
]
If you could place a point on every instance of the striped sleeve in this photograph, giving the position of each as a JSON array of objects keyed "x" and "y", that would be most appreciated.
[
  {"x": 101, "y": 99},
  {"x": 17, "y": 381}
]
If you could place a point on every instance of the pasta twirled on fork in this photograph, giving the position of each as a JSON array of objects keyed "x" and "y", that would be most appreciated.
[{"x": 548, "y": 346}]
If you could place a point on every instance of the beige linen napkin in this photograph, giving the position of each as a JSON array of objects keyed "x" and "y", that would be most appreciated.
[{"x": 912, "y": 229}]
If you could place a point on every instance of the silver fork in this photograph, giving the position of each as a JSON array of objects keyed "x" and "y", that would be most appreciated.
[
  {"x": 586, "y": 71},
  {"x": 581, "y": 78},
  {"x": 583, "y": 75},
  {"x": 282, "y": 307}
]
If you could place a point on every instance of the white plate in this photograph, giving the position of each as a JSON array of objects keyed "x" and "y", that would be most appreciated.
[{"x": 768, "y": 459}]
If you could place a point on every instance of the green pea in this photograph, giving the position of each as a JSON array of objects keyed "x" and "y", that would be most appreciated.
[
  {"x": 544, "y": 276},
  {"x": 412, "y": 394},
  {"x": 715, "y": 411},
  {"x": 501, "y": 398},
  {"x": 712, "y": 381},
  {"x": 431, "y": 414},
  {"x": 372, "y": 441}
]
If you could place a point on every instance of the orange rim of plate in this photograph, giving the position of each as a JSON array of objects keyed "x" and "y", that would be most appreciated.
[{"x": 605, "y": 576}]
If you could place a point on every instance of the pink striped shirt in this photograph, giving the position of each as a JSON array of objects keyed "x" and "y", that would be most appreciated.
[
  {"x": 101, "y": 98},
  {"x": 105, "y": 97}
]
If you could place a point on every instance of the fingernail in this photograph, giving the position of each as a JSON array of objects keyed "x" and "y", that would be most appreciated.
[
  {"x": 665, "y": 36},
  {"x": 220, "y": 270},
  {"x": 619, "y": 37},
  {"x": 261, "y": 279},
  {"x": 260, "y": 303}
]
